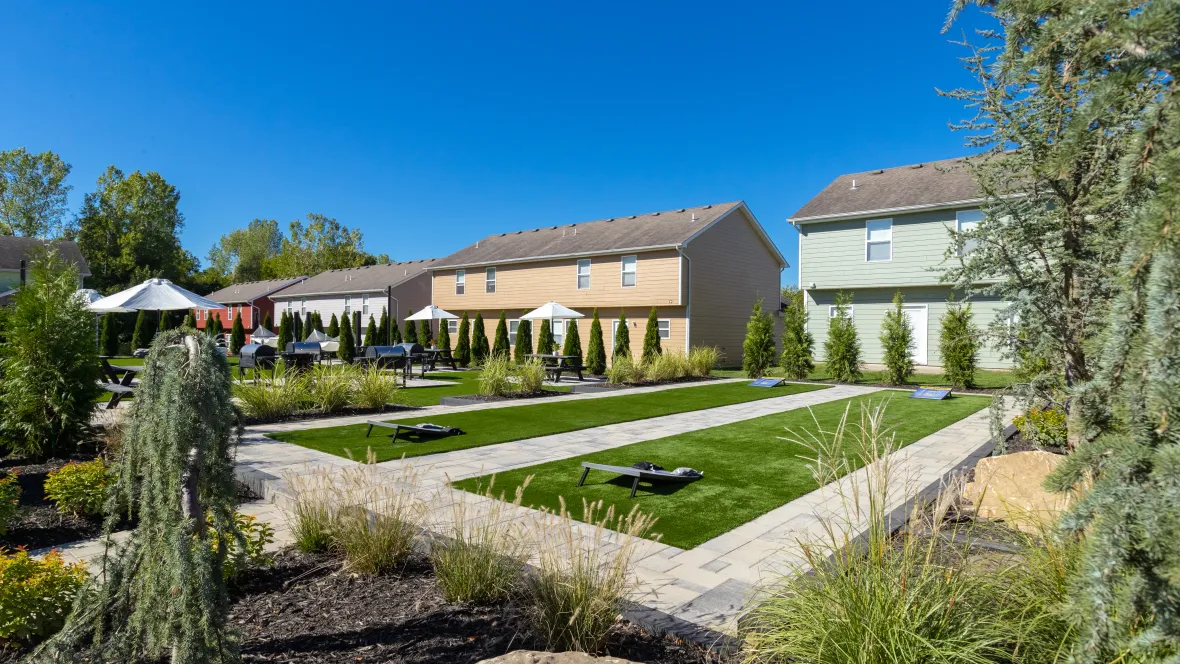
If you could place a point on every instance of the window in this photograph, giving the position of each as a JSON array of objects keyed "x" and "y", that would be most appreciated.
[
  {"x": 453, "y": 326},
  {"x": 665, "y": 328},
  {"x": 847, "y": 311},
  {"x": 557, "y": 333},
  {"x": 347, "y": 304},
  {"x": 584, "y": 274},
  {"x": 460, "y": 281},
  {"x": 302, "y": 307},
  {"x": 966, "y": 221},
  {"x": 513, "y": 326},
  {"x": 628, "y": 271},
  {"x": 879, "y": 240},
  {"x": 364, "y": 305},
  {"x": 489, "y": 280}
]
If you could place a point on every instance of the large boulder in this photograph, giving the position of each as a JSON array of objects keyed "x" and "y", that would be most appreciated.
[
  {"x": 534, "y": 657},
  {"x": 1009, "y": 488}
]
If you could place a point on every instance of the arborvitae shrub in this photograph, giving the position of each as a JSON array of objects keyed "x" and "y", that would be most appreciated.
[
  {"x": 596, "y": 351},
  {"x": 308, "y": 325},
  {"x": 500, "y": 345},
  {"x": 651, "y": 338},
  {"x": 897, "y": 340},
  {"x": 798, "y": 344},
  {"x": 545, "y": 343},
  {"x": 297, "y": 332},
  {"x": 524, "y": 341},
  {"x": 109, "y": 341},
  {"x": 959, "y": 345},
  {"x": 267, "y": 321},
  {"x": 347, "y": 348},
  {"x": 286, "y": 334},
  {"x": 479, "y": 340},
  {"x": 237, "y": 336},
  {"x": 317, "y": 322},
  {"x": 842, "y": 347},
  {"x": 371, "y": 332},
  {"x": 426, "y": 334},
  {"x": 444, "y": 334},
  {"x": 572, "y": 344},
  {"x": 382, "y": 330},
  {"x": 334, "y": 327},
  {"x": 463, "y": 343},
  {"x": 622, "y": 345},
  {"x": 144, "y": 331},
  {"x": 758, "y": 347},
  {"x": 188, "y": 322},
  {"x": 412, "y": 332}
]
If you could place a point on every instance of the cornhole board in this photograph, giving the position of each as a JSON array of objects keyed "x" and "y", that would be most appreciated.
[
  {"x": 934, "y": 393},
  {"x": 767, "y": 382}
]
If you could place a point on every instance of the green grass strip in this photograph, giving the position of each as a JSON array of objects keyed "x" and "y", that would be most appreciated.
[
  {"x": 749, "y": 470},
  {"x": 501, "y": 425},
  {"x": 987, "y": 379}
]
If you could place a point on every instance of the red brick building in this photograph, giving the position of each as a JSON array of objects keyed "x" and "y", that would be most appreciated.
[{"x": 251, "y": 300}]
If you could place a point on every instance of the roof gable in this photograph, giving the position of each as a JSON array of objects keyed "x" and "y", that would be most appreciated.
[
  {"x": 15, "y": 249},
  {"x": 250, "y": 290},
  {"x": 365, "y": 279}
]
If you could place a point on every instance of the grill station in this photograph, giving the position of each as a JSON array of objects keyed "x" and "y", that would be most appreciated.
[
  {"x": 302, "y": 354},
  {"x": 386, "y": 357},
  {"x": 256, "y": 357}
]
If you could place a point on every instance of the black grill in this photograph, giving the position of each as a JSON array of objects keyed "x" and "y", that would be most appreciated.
[
  {"x": 301, "y": 354},
  {"x": 256, "y": 356},
  {"x": 386, "y": 357},
  {"x": 411, "y": 349}
]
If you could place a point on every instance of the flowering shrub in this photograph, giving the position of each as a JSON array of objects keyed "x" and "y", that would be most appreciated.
[
  {"x": 78, "y": 488},
  {"x": 1044, "y": 427},
  {"x": 36, "y": 595},
  {"x": 9, "y": 498}
]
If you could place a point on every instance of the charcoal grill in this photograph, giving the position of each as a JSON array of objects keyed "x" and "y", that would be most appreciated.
[
  {"x": 302, "y": 354},
  {"x": 386, "y": 357},
  {"x": 256, "y": 357}
]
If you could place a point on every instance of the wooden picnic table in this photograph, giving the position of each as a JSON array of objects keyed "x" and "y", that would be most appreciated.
[
  {"x": 556, "y": 364},
  {"x": 432, "y": 356},
  {"x": 118, "y": 381}
]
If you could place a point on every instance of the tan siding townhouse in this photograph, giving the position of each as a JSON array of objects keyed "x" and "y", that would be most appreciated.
[{"x": 702, "y": 268}]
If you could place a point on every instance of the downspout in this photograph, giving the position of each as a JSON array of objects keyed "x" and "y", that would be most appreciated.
[{"x": 686, "y": 301}]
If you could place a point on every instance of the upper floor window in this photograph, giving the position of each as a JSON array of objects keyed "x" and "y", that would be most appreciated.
[
  {"x": 302, "y": 307},
  {"x": 460, "y": 281},
  {"x": 453, "y": 326},
  {"x": 513, "y": 328},
  {"x": 489, "y": 280},
  {"x": 628, "y": 271},
  {"x": 665, "y": 327},
  {"x": 879, "y": 240},
  {"x": 966, "y": 221},
  {"x": 583, "y": 273},
  {"x": 347, "y": 304},
  {"x": 364, "y": 305}
]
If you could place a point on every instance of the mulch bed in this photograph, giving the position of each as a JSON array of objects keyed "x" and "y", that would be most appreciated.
[
  {"x": 687, "y": 379},
  {"x": 320, "y": 415},
  {"x": 489, "y": 398}
]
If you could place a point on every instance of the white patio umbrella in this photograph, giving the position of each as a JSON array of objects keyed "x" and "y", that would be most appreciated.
[
  {"x": 551, "y": 311},
  {"x": 154, "y": 295},
  {"x": 432, "y": 313},
  {"x": 89, "y": 296},
  {"x": 264, "y": 336}
]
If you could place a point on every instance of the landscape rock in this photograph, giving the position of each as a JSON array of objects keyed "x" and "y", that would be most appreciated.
[
  {"x": 535, "y": 657},
  {"x": 1009, "y": 488}
]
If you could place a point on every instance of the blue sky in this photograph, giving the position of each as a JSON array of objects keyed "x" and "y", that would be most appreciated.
[{"x": 431, "y": 125}]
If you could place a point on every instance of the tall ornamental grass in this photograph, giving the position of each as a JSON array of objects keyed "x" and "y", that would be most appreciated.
[
  {"x": 702, "y": 360},
  {"x": 330, "y": 387},
  {"x": 484, "y": 550},
  {"x": 276, "y": 397},
  {"x": 496, "y": 377},
  {"x": 374, "y": 389}
]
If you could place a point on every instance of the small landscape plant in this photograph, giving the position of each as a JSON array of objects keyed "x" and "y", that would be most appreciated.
[
  {"x": 79, "y": 488},
  {"x": 479, "y": 340},
  {"x": 500, "y": 344},
  {"x": 959, "y": 345},
  {"x": 310, "y": 511},
  {"x": 374, "y": 389},
  {"x": 702, "y": 360},
  {"x": 651, "y": 338},
  {"x": 622, "y": 334},
  {"x": 596, "y": 350},
  {"x": 842, "y": 347},
  {"x": 378, "y": 517},
  {"x": 623, "y": 370},
  {"x": 530, "y": 376},
  {"x": 463, "y": 343},
  {"x": 496, "y": 378},
  {"x": 36, "y": 594},
  {"x": 330, "y": 387},
  {"x": 484, "y": 551},
  {"x": 250, "y": 551},
  {"x": 273, "y": 398},
  {"x": 1043, "y": 427},
  {"x": 9, "y": 500},
  {"x": 758, "y": 347},
  {"x": 665, "y": 367},
  {"x": 797, "y": 359},
  {"x": 897, "y": 340}
]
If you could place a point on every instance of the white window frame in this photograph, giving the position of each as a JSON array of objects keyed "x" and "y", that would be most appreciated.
[
  {"x": 832, "y": 312},
  {"x": 583, "y": 262},
  {"x": 513, "y": 329},
  {"x": 959, "y": 221},
  {"x": 664, "y": 326},
  {"x": 489, "y": 280},
  {"x": 364, "y": 305},
  {"x": 557, "y": 329},
  {"x": 460, "y": 282},
  {"x": 868, "y": 242},
  {"x": 303, "y": 307},
  {"x": 452, "y": 326},
  {"x": 347, "y": 305},
  {"x": 634, "y": 271}
]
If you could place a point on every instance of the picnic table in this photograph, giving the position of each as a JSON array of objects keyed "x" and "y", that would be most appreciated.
[
  {"x": 555, "y": 365},
  {"x": 432, "y": 356},
  {"x": 118, "y": 381}
]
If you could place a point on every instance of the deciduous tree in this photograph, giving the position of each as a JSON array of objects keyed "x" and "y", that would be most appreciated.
[
  {"x": 242, "y": 254},
  {"x": 33, "y": 193}
]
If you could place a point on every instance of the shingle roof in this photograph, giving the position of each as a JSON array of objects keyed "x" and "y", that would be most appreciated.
[
  {"x": 367, "y": 279},
  {"x": 914, "y": 186},
  {"x": 14, "y": 249},
  {"x": 643, "y": 231},
  {"x": 250, "y": 290}
]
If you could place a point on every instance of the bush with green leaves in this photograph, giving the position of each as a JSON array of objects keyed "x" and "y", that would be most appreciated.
[
  {"x": 286, "y": 332},
  {"x": 651, "y": 338},
  {"x": 9, "y": 500},
  {"x": 109, "y": 339},
  {"x": 36, "y": 594},
  {"x": 381, "y": 336},
  {"x": 500, "y": 345},
  {"x": 897, "y": 342},
  {"x": 346, "y": 350},
  {"x": 797, "y": 359},
  {"x": 267, "y": 322},
  {"x": 479, "y": 340},
  {"x": 702, "y": 360},
  {"x": 188, "y": 322},
  {"x": 1044, "y": 427},
  {"x": 959, "y": 345},
  {"x": 51, "y": 367},
  {"x": 79, "y": 487},
  {"x": 572, "y": 344},
  {"x": 622, "y": 343},
  {"x": 842, "y": 346},
  {"x": 545, "y": 342},
  {"x": 333, "y": 327},
  {"x": 249, "y": 551},
  {"x": 595, "y": 359},
  {"x": 426, "y": 334},
  {"x": 237, "y": 335},
  {"x": 144, "y": 331},
  {"x": 463, "y": 343},
  {"x": 371, "y": 338},
  {"x": 758, "y": 348},
  {"x": 444, "y": 335},
  {"x": 524, "y": 341},
  {"x": 412, "y": 332}
]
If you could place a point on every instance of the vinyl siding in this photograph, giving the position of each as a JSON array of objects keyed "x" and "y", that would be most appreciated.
[
  {"x": 870, "y": 305},
  {"x": 411, "y": 295},
  {"x": 832, "y": 254},
  {"x": 529, "y": 285},
  {"x": 731, "y": 267}
]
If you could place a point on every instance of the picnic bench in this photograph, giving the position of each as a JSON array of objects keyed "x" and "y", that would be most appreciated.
[
  {"x": 118, "y": 381},
  {"x": 637, "y": 474},
  {"x": 555, "y": 365},
  {"x": 408, "y": 428},
  {"x": 432, "y": 356}
]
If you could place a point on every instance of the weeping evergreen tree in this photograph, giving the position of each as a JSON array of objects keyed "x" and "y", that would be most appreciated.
[
  {"x": 500, "y": 346},
  {"x": 897, "y": 340},
  {"x": 842, "y": 347},
  {"x": 758, "y": 347},
  {"x": 958, "y": 345},
  {"x": 371, "y": 332},
  {"x": 163, "y": 592},
  {"x": 545, "y": 342},
  {"x": 444, "y": 335},
  {"x": 108, "y": 341},
  {"x": 479, "y": 340},
  {"x": 189, "y": 321},
  {"x": 286, "y": 334},
  {"x": 333, "y": 327},
  {"x": 651, "y": 338},
  {"x": 237, "y": 335},
  {"x": 142, "y": 337},
  {"x": 267, "y": 321},
  {"x": 572, "y": 344},
  {"x": 622, "y": 338},
  {"x": 463, "y": 343},
  {"x": 347, "y": 348},
  {"x": 524, "y": 341},
  {"x": 798, "y": 344},
  {"x": 596, "y": 351},
  {"x": 382, "y": 329},
  {"x": 412, "y": 332}
]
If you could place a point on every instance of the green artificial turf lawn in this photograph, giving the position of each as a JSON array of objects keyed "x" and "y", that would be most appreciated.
[
  {"x": 468, "y": 383},
  {"x": 501, "y": 425},
  {"x": 748, "y": 469},
  {"x": 987, "y": 379}
]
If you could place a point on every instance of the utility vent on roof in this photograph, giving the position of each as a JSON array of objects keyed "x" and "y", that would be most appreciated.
[
  {"x": 878, "y": 171},
  {"x": 708, "y": 206},
  {"x": 680, "y": 210},
  {"x": 655, "y": 214},
  {"x": 916, "y": 166},
  {"x": 631, "y": 217}
]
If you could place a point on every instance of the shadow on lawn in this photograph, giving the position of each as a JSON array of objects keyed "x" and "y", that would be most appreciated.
[{"x": 645, "y": 488}]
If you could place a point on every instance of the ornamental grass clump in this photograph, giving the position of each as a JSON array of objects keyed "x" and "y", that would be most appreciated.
[
  {"x": 702, "y": 360},
  {"x": 666, "y": 366},
  {"x": 374, "y": 389},
  {"x": 496, "y": 378},
  {"x": 378, "y": 516},
  {"x": 309, "y": 511},
  {"x": 79, "y": 488},
  {"x": 583, "y": 573},
  {"x": 920, "y": 596},
  {"x": 530, "y": 376},
  {"x": 330, "y": 388},
  {"x": 276, "y": 397},
  {"x": 484, "y": 548},
  {"x": 36, "y": 594},
  {"x": 623, "y": 370}
]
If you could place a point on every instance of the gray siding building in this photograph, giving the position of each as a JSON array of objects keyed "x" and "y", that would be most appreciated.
[{"x": 875, "y": 233}]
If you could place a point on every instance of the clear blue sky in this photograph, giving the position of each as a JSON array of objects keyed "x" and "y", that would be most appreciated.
[{"x": 431, "y": 124}]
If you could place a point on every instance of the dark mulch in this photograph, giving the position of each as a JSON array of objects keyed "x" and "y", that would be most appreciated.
[
  {"x": 686, "y": 379},
  {"x": 1018, "y": 443},
  {"x": 319, "y": 415},
  {"x": 304, "y": 610},
  {"x": 486, "y": 398}
]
